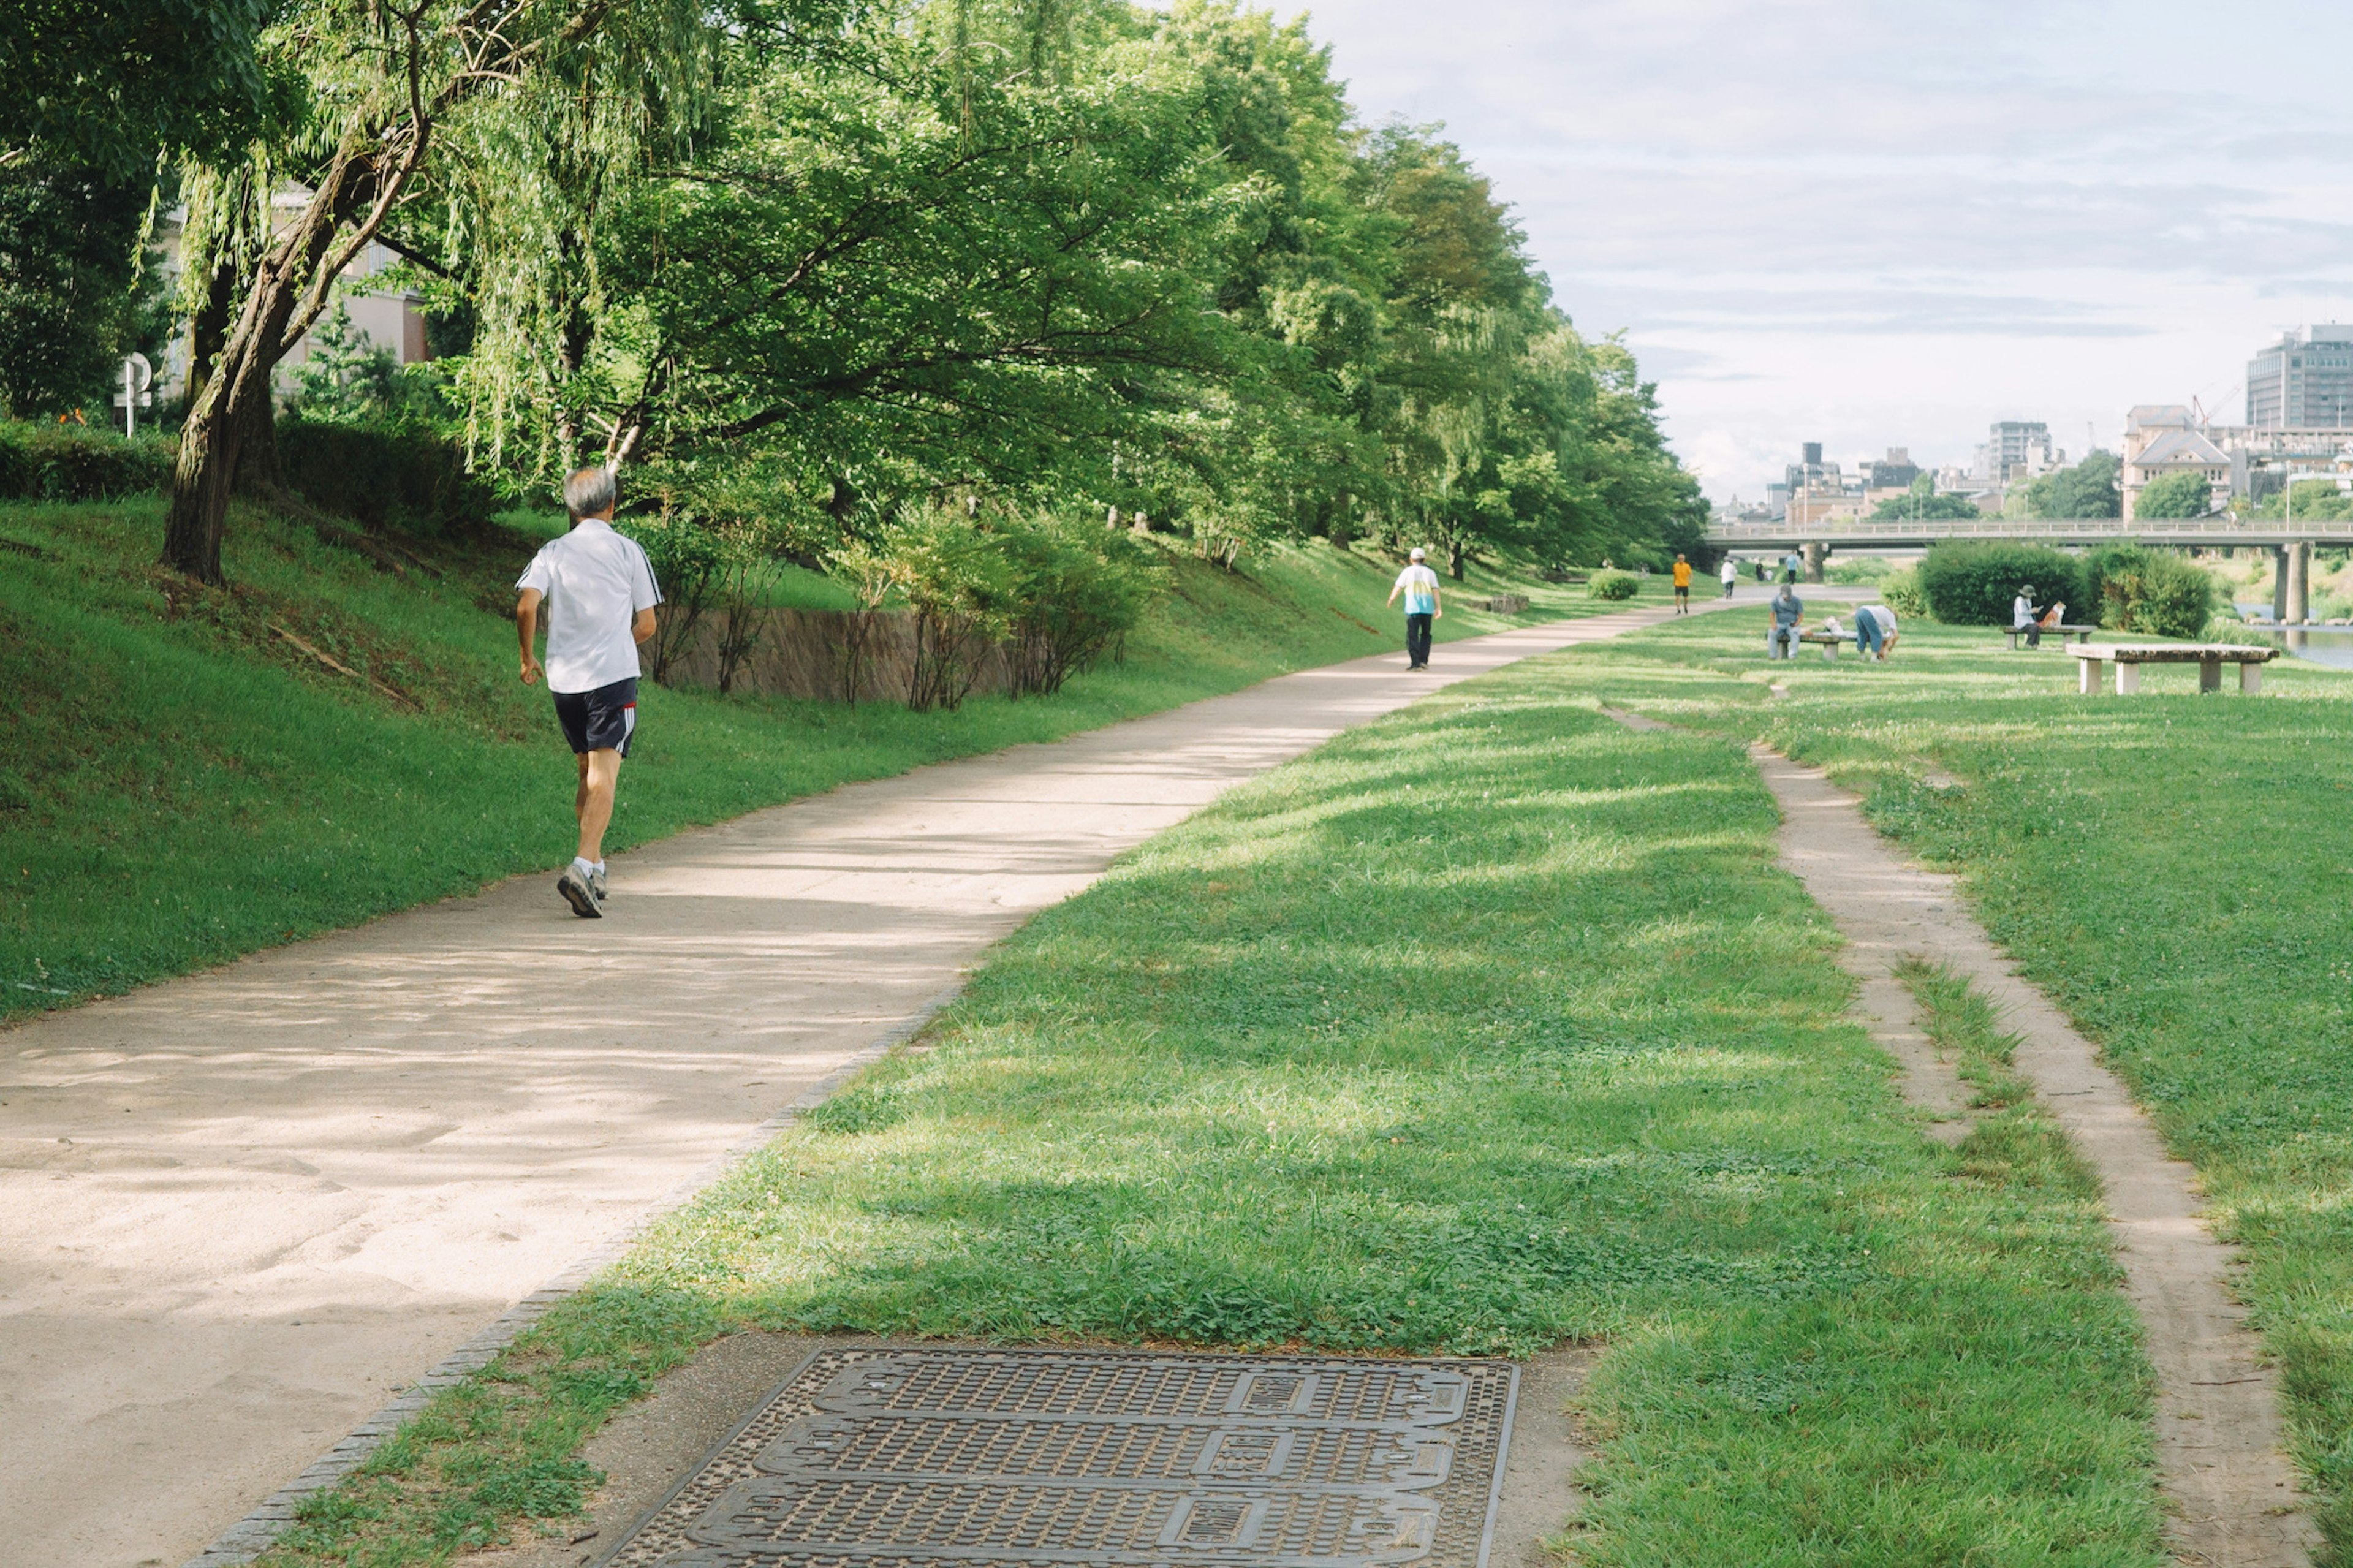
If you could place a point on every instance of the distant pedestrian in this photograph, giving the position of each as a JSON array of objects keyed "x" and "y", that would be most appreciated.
[
  {"x": 1874, "y": 631},
  {"x": 1731, "y": 576},
  {"x": 1788, "y": 615},
  {"x": 600, "y": 594},
  {"x": 2025, "y": 617},
  {"x": 1759, "y": 564},
  {"x": 1419, "y": 583},
  {"x": 1790, "y": 567},
  {"x": 1682, "y": 585}
]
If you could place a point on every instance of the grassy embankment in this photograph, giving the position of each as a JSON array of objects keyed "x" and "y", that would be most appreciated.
[
  {"x": 1486, "y": 1025},
  {"x": 181, "y": 783},
  {"x": 2175, "y": 872}
]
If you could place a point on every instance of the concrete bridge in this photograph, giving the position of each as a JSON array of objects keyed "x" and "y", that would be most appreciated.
[
  {"x": 2290, "y": 542},
  {"x": 1916, "y": 534}
]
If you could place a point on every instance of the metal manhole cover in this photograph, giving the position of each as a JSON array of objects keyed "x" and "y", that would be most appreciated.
[{"x": 1022, "y": 1457}]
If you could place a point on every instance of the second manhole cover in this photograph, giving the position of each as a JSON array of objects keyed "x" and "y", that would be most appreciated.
[{"x": 1048, "y": 1457}]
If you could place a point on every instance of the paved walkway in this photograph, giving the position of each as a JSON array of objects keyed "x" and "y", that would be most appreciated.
[{"x": 237, "y": 1211}]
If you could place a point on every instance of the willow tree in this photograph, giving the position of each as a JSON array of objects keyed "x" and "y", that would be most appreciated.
[{"x": 384, "y": 81}]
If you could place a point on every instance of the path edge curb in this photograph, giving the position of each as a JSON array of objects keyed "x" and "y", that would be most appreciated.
[{"x": 259, "y": 1531}]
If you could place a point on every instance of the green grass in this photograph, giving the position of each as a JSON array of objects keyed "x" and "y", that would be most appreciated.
[
  {"x": 1485, "y": 1027},
  {"x": 2175, "y": 872},
  {"x": 179, "y": 784}
]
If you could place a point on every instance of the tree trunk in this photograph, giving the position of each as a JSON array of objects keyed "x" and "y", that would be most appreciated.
[{"x": 287, "y": 291}]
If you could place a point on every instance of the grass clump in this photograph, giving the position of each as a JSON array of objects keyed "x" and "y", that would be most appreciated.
[
  {"x": 2172, "y": 871},
  {"x": 1485, "y": 1027},
  {"x": 186, "y": 780}
]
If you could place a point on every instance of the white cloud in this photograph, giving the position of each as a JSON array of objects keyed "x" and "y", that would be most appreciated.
[{"x": 1890, "y": 223}]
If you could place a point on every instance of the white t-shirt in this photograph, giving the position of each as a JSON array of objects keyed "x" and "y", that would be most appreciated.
[
  {"x": 1730, "y": 571},
  {"x": 595, "y": 581},
  {"x": 1880, "y": 612},
  {"x": 2022, "y": 611},
  {"x": 1420, "y": 586}
]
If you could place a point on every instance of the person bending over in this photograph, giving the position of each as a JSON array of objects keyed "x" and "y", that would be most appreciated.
[
  {"x": 600, "y": 594},
  {"x": 1874, "y": 631}
]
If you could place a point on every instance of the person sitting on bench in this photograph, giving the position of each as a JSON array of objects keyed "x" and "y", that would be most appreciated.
[
  {"x": 2025, "y": 617},
  {"x": 1789, "y": 615}
]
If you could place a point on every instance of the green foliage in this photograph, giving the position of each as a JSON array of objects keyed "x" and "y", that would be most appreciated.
[
  {"x": 1079, "y": 588},
  {"x": 1928, "y": 504},
  {"x": 2182, "y": 494},
  {"x": 1612, "y": 584},
  {"x": 962, "y": 589},
  {"x": 70, "y": 301},
  {"x": 1902, "y": 592},
  {"x": 77, "y": 462},
  {"x": 2153, "y": 592},
  {"x": 385, "y": 473},
  {"x": 112, "y": 86},
  {"x": 1974, "y": 584},
  {"x": 2087, "y": 490}
]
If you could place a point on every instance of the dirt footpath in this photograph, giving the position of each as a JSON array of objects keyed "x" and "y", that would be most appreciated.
[{"x": 238, "y": 1211}]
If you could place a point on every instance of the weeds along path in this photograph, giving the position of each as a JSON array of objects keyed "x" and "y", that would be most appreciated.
[
  {"x": 238, "y": 1211},
  {"x": 2219, "y": 1433}
]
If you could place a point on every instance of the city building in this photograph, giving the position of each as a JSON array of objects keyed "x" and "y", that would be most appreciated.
[
  {"x": 2163, "y": 439},
  {"x": 1895, "y": 472},
  {"x": 2015, "y": 450},
  {"x": 2305, "y": 381}
]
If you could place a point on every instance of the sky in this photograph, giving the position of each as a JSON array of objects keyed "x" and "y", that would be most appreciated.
[{"x": 1889, "y": 224}]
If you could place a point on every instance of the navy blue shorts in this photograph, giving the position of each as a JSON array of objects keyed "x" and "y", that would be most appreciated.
[{"x": 604, "y": 719}]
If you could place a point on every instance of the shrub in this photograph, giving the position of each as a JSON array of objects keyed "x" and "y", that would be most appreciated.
[
  {"x": 1900, "y": 591},
  {"x": 961, "y": 588},
  {"x": 385, "y": 474},
  {"x": 1973, "y": 584},
  {"x": 2155, "y": 593},
  {"x": 1079, "y": 588},
  {"x": 1612, "y": 584},
  {"x": 77, "y": 462}
]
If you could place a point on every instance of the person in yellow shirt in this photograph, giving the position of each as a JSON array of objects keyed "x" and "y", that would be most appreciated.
[{"x": 1682, "y": 585}]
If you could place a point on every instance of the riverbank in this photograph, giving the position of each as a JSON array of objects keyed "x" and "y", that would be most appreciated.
[{"x": 195, "y": 775}]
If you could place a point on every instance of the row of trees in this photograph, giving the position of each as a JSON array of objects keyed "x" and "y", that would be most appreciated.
[{"x": 839, "y": 260}]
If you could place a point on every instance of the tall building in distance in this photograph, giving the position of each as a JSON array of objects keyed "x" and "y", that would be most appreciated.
[
  {"x": 2016, "y": 449},
  {"x": 2305, "y": 381}
]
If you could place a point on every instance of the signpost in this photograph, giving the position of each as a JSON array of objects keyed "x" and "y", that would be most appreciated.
[{"x": 138, "y": 380}]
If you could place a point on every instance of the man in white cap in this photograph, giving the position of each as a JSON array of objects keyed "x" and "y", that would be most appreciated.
[{"x": 1419, "y": 583}]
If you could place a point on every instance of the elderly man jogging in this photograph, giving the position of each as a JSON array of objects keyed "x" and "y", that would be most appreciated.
[
  {"x": 600, "y": 594},
  {"x": 1419, "y": 583}
]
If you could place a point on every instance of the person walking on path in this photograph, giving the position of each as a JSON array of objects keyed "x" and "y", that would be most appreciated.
[
  {"x": 1682, "y": 585},
  {"x": 1788, "y": 613},
  {"x": 2025, "y": 617},
  {"x": 600, "y": 594},
  {"x": 1731, "y": 576},
  {"x": 1874, "y": 631},
  {"x": 1419, "y": 583}
]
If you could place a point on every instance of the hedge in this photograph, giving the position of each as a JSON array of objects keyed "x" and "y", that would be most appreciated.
[
  {"x": 1611, "y": 585},
  {"x": 77, "y": 462},
  {"x": 403, "y": 477},
  {"x": 1973, "y": 584}
]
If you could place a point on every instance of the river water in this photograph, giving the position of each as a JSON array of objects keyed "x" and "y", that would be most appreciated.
[{"x": 2321, "y": 645}]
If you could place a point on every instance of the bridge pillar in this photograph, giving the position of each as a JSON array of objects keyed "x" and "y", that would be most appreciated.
[
  {"x": 1814, "y": 554},
  {"x": 2299, "y": 582},
  {"x": 2279, "y": 582}
]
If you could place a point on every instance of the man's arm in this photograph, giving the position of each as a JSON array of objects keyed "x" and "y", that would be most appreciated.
[
  {"x": 643, "y": 626},
  {"x": 1393, "y": 593},
  {"x": 527, "y": 632},
  {"x": 1437, "y": 601}
]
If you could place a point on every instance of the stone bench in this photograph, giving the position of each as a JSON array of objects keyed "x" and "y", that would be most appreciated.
[
  {"x": 1827, "y": 641},
  {"x": 2209, "y": 657},
  {"x": 1504, "y": 604},
  {"x": 2082, "y": 633}
]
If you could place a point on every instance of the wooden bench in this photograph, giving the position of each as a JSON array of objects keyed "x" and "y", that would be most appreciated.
[
  {"x": 2209, "y": 657},
  {"x": 2082, "y": 634}
]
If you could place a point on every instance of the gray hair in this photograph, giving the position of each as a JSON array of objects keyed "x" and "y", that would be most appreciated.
[{"x": 590, "y": 491}]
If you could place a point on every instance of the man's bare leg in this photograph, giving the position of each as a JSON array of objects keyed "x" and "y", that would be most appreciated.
[{"x": 601, "y": 771}]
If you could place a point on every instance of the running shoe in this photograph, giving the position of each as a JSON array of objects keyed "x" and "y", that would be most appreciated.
[
  {"x": 580, "y": 893},
  {"x": 596, "y": 886}
]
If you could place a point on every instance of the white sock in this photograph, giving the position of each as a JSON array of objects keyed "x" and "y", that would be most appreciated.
[
  {"x": 600, "y": 868},
  {"x": 581, "y": 865}
]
